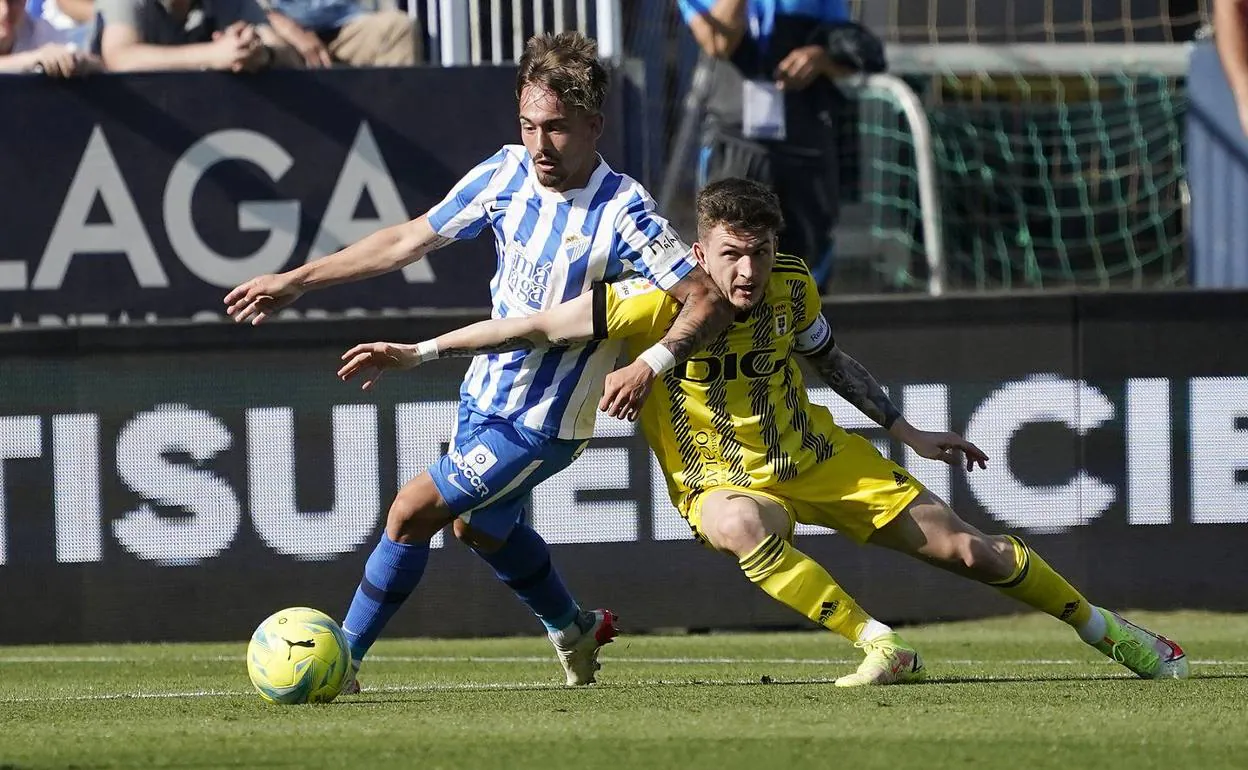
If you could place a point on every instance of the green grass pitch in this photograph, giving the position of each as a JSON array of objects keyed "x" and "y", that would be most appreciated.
[{"x": 1016, "y": 692}]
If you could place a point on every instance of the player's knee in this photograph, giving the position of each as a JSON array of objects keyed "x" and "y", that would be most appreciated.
[
  {"x": 475, "y": 538},
  {"x": 996, "y": 558},
  {"x": 736, "y": 525},
  {"x": 417, "y": 513},
  {"x": 986, "y": 557}
]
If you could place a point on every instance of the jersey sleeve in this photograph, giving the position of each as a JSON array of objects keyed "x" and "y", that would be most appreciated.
[
  {"x": 813, "y": 335},
  {"x": 462, "y": 213},
  {"x": 649, "y": 243},
  {"x": 692, "y": 8},
  {"x": 631, "y": 308}
]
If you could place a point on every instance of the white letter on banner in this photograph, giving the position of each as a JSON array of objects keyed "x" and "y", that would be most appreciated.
[
  {"x": 1219, "y": 449},
  {"x": 271, "y": 481},
  {"x": 364, "y": 171},
  {"x": 280, "y": 219},
  {"x": 76, "y": 487},
  {"x": 927, "y": 408},
  {"x": 21, "y": 438},
  {"x": 560, "y": 518},
  {"x": 1148, "y": 451},
  {"x": 211, "y": 508},
  {"x": 666, "y": 521},
  {"x": 1041, "y": 398},
  {"x": 98, "y": 174},
  {"x": 420, "y": 430}
]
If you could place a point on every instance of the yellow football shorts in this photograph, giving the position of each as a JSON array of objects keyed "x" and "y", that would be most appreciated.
[{"x": 856, "y": 492}]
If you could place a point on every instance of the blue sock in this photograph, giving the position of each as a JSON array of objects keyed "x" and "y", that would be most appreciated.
[
  {"x": 390, "y": 574},
  {"x": 523, "y": 563}
]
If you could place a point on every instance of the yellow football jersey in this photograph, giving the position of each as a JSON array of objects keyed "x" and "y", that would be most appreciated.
[{"x": 736, "y": 413}]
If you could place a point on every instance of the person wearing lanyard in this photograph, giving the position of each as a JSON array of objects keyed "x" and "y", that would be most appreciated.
[{"x": 772, "y": 109}]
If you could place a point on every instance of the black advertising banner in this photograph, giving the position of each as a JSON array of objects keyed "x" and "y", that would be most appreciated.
[
  {"x": 167, "y": 483},
  {"x": 146, "y": 197}
]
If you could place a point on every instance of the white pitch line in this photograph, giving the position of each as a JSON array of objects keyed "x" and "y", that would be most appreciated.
[
  {"x": 430, "y": 688},
  {"x": 678, "y": 661}
]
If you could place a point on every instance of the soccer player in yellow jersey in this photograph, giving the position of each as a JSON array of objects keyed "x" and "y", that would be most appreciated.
[{"x": 747, "y": 456}]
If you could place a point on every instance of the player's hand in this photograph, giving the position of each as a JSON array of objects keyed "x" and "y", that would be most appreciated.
[
  {"x": 261, "y": 297},
  {"x": 800, "y": 68},
  {"x": 310, "y": 47},
  {"x": 235, "y": 46},
  {"x": 370, "y": 359},
  {"x": 59, "y": 61},
  {"x": 626, "y": 390},
  {"x": 948, "y": 447}
]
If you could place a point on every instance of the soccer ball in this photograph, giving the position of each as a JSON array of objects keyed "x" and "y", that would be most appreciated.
[{"x": 298, "y": 655}]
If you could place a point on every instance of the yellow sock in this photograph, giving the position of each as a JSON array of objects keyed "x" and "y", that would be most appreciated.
[
  {"x": 1035, "y": 583},
  {"x": 793, "y": 578}
]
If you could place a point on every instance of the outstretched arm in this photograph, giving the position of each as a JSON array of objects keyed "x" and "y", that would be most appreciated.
[
  {"x": 384, "y": 251},
  {"x": 563, "y": 324},
  {"x": 855, "y": 384}
]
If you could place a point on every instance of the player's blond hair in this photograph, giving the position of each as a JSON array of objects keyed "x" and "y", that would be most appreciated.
[
  {"x": 567, "y": 64},
  {"x": 741, "y": 205}
]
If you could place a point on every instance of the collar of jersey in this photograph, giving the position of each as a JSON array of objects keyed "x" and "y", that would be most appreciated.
[{"x": 601, "y": 170}]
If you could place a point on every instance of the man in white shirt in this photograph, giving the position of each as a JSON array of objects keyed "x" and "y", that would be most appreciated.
[{"x": 29, "y": 44}]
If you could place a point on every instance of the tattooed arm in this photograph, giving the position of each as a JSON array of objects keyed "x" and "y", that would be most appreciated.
[
  {"x": 704, "y": 313},
  {"x": 564, "y": 324},
  {"x": 855, "y": 384},
  {"x": 388, "y": 249}
]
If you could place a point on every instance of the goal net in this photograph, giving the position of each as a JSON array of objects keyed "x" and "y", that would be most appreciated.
[
  {"x": 1055, "y": 139},
  {"x": 1054, "y": 165}
]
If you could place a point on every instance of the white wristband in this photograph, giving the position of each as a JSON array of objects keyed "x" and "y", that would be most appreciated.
[
  {"x": 658, "y": 358},
  {"x": 427, "y": 350}
]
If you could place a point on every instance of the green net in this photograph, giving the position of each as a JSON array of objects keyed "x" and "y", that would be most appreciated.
[{"x": 1042, "y": 181}]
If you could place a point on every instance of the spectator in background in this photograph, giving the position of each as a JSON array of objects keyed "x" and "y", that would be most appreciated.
[
  {"x": 325, "y": 32},
  {"x": 231, "y": 35},
  {"x": 772, "y": 110},
  {"x": 31, "y": 44},
  {"x": 73, "y": 17},
  {"x": 1230, "y": 35}
]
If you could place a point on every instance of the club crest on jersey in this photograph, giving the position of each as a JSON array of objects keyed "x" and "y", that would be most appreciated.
[
  {"x": 781, "y": 315},
  {"x": 575, "y": 246}
]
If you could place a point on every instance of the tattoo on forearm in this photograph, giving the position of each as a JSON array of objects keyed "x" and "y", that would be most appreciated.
[
  {"x": 438, "y": 242},
  {"x": 696, "y": 323},
  {"x": 506, "y": 346},
  {"x": 854, "y": 383}
]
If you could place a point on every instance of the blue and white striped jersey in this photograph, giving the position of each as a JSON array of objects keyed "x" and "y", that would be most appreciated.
[{"x": 551, "y": 248}]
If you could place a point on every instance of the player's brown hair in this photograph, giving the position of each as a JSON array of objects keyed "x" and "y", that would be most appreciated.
[
  {"x": 567, "y": 64},
  {"x": 742, "y": 205}
]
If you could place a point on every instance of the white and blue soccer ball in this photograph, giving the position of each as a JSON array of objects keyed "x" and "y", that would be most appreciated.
[{"x": 298, "y": 655}]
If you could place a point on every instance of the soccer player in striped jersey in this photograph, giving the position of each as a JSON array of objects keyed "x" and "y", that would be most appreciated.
[
  {"x": 562, "y": 220},
  {"x": 747, "y": 456}
]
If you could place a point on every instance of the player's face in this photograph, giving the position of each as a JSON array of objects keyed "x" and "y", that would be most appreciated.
[
  {"x": 740, "y": 263},
  {"x": 563, "y": 143}
]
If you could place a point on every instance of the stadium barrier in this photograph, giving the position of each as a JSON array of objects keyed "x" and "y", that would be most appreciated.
[
  {"x": 146, "y": 197},
  {"x": 182, "y": 481}
]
